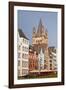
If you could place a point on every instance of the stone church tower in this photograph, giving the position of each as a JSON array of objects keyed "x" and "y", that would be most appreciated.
[{"x": 40, "y": 41}]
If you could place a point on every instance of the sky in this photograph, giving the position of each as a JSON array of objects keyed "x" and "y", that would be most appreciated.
[{"x": 29, "y": 19}]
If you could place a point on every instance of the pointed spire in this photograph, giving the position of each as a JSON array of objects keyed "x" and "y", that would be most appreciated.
[
  {"x": 40, "y": 23},
  {"x": 34, "y": 31},
  {"x": 40, "y": 28}
]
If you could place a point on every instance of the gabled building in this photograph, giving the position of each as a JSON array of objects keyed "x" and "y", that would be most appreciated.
[
  {"x": 41, "y": 60},
  {"x": 22, "y": 53},
  {"x": 53, "y": 58},
  {"x": 33, "y": 59}
]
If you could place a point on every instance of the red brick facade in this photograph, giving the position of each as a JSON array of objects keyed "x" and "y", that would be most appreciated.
[{"x": 33, "y": 60}]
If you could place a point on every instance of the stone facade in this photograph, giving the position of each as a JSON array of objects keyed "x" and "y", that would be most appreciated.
[{"x": 40, "y": 40}]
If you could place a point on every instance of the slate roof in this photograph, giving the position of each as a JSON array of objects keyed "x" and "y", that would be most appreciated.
[{"x": 21, "y": 34}]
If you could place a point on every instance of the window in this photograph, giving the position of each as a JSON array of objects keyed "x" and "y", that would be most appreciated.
[
  {"x": 24, "y": 63},
  {"x": 50, "y": 65},
  {"x": 26, "y": 49},
  {"x": 45, "y": 66},
  {"x": 44, "y": 61},
  {"x": 23, "y": 48},
  {"x": 51, "y": 61},
  {"x": 23, "y": 40},
  {"x": 18, "y": 62},
  {"x": 36, "y": 67},
  {"x": 54, "y": 60},
  {"x": 19, "y": 47},
  {"x": 18, "y": 72},
  {"x": 18, "y": 55},
  {"x": 50, "y": 68},
  {"x": 25, "y": 56},
  {"x": 50, "y": 56},
  {"x": 55, "y": 68},
  {"x": 27, "y": 41},
  {"x": 25, "y": 71}
]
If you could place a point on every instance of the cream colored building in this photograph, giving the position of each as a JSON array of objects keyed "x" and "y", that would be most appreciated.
[
  {"x": 23, "y": 51},
  {"x": 54, "y": 61},
  {"x": 53, "y": 58}
]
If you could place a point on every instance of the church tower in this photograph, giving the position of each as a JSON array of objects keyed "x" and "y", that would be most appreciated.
[{"x": 40, "y": 40}]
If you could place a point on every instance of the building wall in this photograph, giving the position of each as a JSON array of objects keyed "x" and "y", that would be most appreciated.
[
  {"x": 39, "y": 40},
  {"x": 23, "y": 52},
  {"x": 33, "y": 60},
  {"x": 53, "y": 58},
  {"x": 54, "y": 62},
  {"x": 19, "y": 55},
  {"x": 41, "y": 60}
]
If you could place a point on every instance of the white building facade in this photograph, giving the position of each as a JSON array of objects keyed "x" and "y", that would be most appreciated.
[
  {"x": 41, "y": 60},
  {"x": 54, "y": 62},
  {"x": 22, "y": 53},
  {"x": 53, "y": 59}
]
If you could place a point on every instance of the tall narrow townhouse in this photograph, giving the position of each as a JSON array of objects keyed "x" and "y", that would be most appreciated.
[{"x": 22, "y": 53}]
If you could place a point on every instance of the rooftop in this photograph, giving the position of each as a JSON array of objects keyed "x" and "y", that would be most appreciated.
[{"x": 21, "y": 34}]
